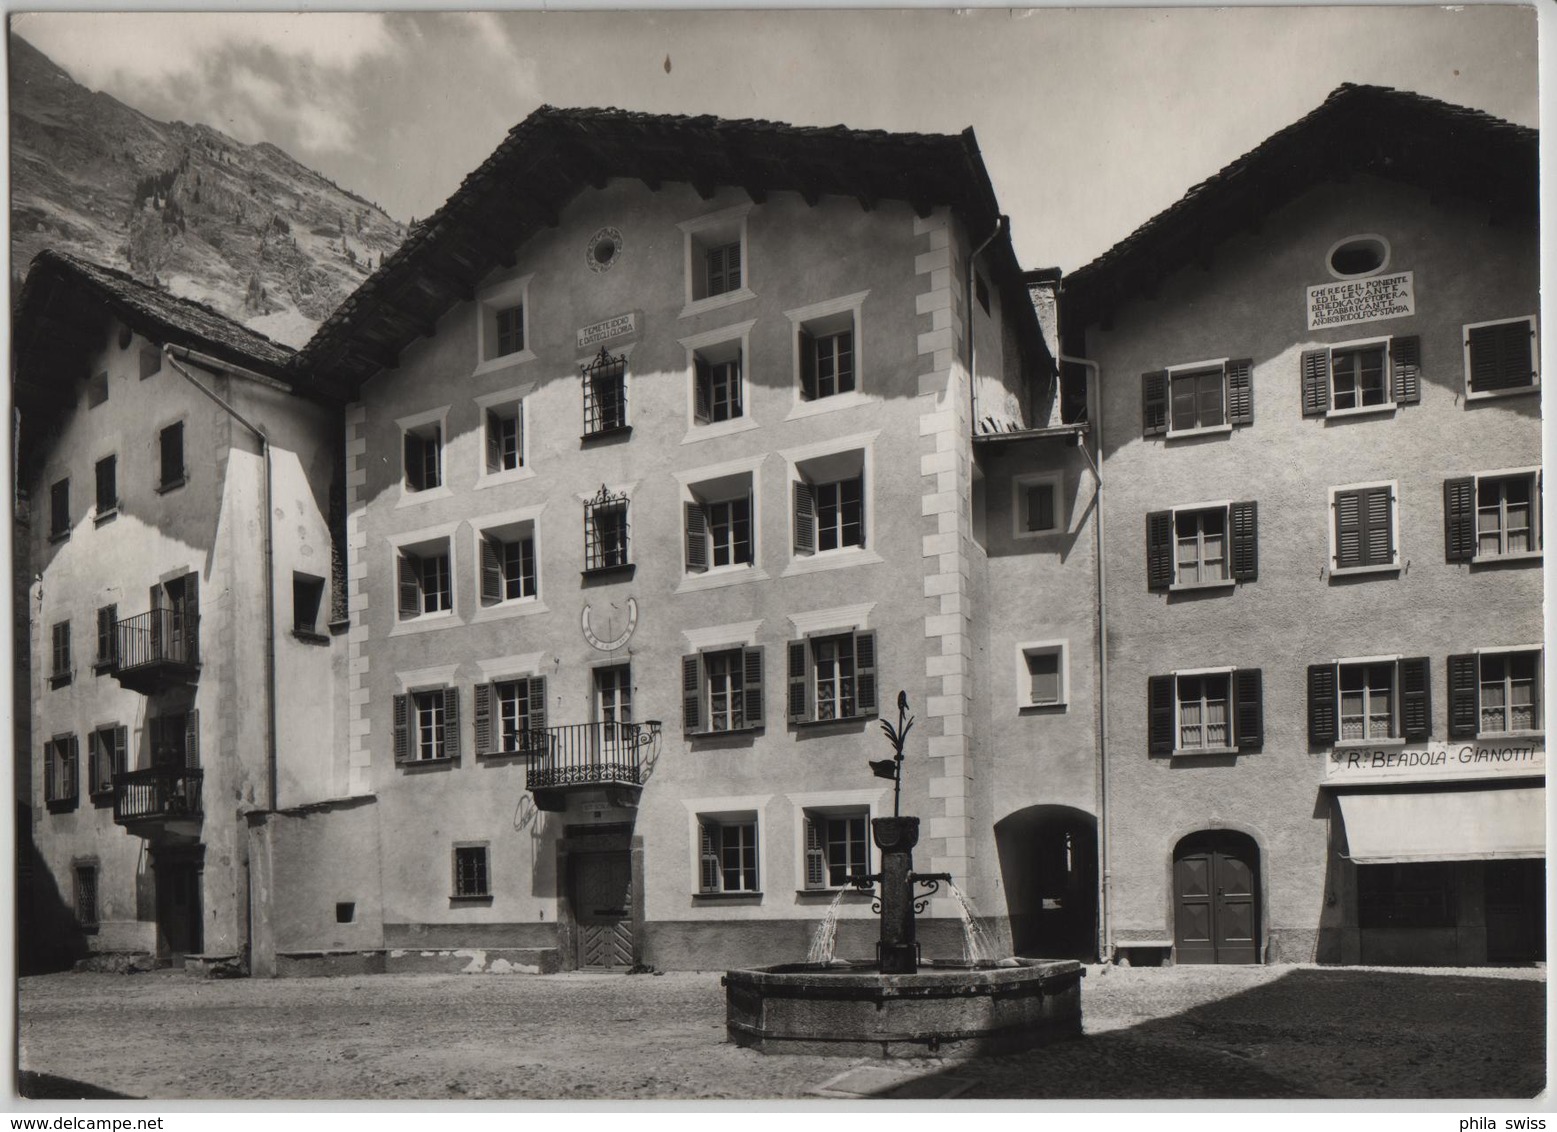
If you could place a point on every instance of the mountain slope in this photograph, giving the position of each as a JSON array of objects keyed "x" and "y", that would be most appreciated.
[{"x": 246, "y": 229}]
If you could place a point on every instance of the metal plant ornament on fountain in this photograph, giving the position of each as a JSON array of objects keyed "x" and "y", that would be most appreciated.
[{"x": 897, "y": 951}]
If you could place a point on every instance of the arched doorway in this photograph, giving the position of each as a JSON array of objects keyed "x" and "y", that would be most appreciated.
[
  {"x": 1216, "y": 898},
  {"x": 1048, "y": 866}
]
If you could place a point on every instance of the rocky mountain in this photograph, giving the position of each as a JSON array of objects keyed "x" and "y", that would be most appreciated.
[{"x": 242, "y": 228}]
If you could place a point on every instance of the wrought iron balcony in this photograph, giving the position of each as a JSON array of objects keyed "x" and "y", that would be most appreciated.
[
  {"x": 156, "y": 650},
  {"x": 590, "y": 755},
  {"x": 160, "y": 794}
]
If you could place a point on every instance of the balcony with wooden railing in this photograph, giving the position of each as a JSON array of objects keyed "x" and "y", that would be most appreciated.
[
  {"x": 161, "y": 794},
  {"x": 157, "y": 650},
  {"x": 590, "y": 756}
]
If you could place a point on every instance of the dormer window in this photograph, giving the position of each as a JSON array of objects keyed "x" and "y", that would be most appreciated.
[
  {"x": 503, "y": 324},
  {"x": 717, "y": 263}
]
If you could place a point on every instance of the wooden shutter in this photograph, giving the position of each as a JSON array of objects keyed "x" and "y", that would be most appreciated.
[
  {"x": 816, "y": 855},
  {"x": 737, "y": 385},
  {"x": 94, "y": 761},
  {"x": 538, "y": 707},
  {"x": 692, "y": 693},
  {"x": 1322, "y": 722},
  {"x": 805, "y": 518},
  {"x": 50, "y": 771},
  {"x": 1154, "y": 403},
  {"x": 807, "y": 348},
  {"x": 482, "y": 725},
  {"x": 491, "y": 571},
  {"x": 1240, "y": 391},
  {"x": 73, "y": 767},
  {"x": 1248, "y": 710},
  {"x": 1349, "y": 540},
  {"x": 1501, "y": 356},
  {"x": 865, "y": 673},
  {"x": 190, "y": 598},
  {"x": 751, "y": 665},
  {"x": 192, "y": 740},
  {"x": 451, "y": 723},
  {"x": 732, "y": 266},
  {"x": 702, "y": 389},
  {"x": 709, "y": 856},
  {"x": 1379, "y": 534},
  {"x": 121, "y": 751},
  {"x": 402, "y": 728},
  {"x": 107, "y": 634},
  {"x": 1243, "y": 522},
  {"x": 1416, "y": 699},
  {"x": 494, "y": 441},
  {"x": 697, "y": 537},
  {"x": 1159, "y": 550},
  {"x": 1405, "y": 361},
  {"x": 409, "y": 569},
  {"x": 1464, "y": 696},
  {"x": 799, "y": 678},
  {"x": 1160, "y": 692},
  {"x": 413, "y": 462},
  {"x": 1459, "y": 519},
  {"x": 1316, "y": 382}
]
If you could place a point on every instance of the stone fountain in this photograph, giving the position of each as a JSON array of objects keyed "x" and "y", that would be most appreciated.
[{"x": 892, "y": 1007}]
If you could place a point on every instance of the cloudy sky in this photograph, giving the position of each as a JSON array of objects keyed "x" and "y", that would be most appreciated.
[{"x": 1090, "y": 120}]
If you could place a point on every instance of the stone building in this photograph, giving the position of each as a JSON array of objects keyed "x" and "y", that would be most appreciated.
[
  {"x": 1321, "y": 429},
  {"x": 164, "y": 538}
]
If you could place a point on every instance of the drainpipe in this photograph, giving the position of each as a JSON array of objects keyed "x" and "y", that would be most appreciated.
[
  {"x": 1104, "y": 880},
  {"x": 967, "y": 305},
  {"x": 172, "y": 353}
]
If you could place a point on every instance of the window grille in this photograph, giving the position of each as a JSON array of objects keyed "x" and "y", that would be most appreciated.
[
  {"x": 606, "y": 530},
  {"x": 605, "y": 394}
]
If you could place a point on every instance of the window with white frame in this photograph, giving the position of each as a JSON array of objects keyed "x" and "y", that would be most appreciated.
[
  {"x": 1197, "y": 397},
  {"x": 1042, "y": 676},
  {"x": 426, "y": 725},
  {"x": 716, "y": 258},
  {"x": 837, "y": 845},
  {"x": 727, "y": 853},
  {"x": 1363, "y": 376},
  {"x": 720, "y": 527},
  {"x": 721, "y": 690},
  {"x": 1364, "y": 533},
  {"x": 425, "y": 582},
  {"x": 827, "y": 354},
  {"x": 1206, "y": 711},
  {"x": 1492, "y": 515},
  {"x": 503, "y": 324},
  {"x": 1038, "y": 508},
  {"x": 508, "y": 563},
  {"x": 1202, "y": 544},
  {"x": 829, "y": 503},
  {"x": 505, "y": 437},
  {"x": 472, "y": 871},
  {"x": 1496, "y": 692},
  {"x": 1501, "y": 357},
  {"x": 423, "y": 460},
  {"x": 1369, "y": 700},
  {"x": 718, "y": 392},
  {"x": 832, "y": 676},
  {"x": 510, "y": 716}
]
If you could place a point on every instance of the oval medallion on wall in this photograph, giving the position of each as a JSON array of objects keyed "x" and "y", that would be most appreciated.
[{"x": 604, "y": 249}]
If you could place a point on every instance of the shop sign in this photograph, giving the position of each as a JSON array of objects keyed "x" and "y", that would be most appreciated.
[
  {"x": 599, "y": 332},
  {"x": 1482, "y": 759},
  {"x": 1361, "y": 300}
]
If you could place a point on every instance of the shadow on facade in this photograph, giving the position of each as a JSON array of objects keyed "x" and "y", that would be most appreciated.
[
  {"x": 47, "y": 935},
  {"x": 1048, "y": 866}
]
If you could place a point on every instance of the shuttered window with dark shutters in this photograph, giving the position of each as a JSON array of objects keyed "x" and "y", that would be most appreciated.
[
  {"x": 833, "y": 677},
  {"x": 1364, "y": 529},
  {"x": 1356, "y": 377},
  {"x": 170, "y": 444},
  {"x": 510, "y": 717},
  {"x": 1366, "y": 701},
  {"x": 1201, "y": 397},
  {"x": 1209, "y": 712},
  {"x": 1202, "y": 546},
  {"x": 1501, "y": 358},
  {"x": 1495, "y": 693},
  {"x": 426, "y": 726}
]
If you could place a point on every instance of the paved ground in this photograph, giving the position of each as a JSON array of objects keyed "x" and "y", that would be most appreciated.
[{"x": 1182, "y": 1032}]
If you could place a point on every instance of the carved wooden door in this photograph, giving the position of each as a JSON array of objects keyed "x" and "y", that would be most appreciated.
[{"x": 603, "y": 908}]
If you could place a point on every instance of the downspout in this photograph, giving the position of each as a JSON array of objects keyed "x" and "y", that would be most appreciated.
[
  {"x": 271, "y": 772},
  {"x": 1104, "y": 879},
  {"x": 967, "y": 305}
]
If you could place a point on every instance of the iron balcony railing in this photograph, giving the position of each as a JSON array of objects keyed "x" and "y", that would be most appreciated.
[
  {"x": 162, "y": 636},
  {"x": 585, "y": 754},
  {"x": 160, "y": 793}
]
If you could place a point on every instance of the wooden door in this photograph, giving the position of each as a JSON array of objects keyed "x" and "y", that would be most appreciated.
[
  {"x": 1516, "y": 910},
  {"x": 179, "y": 913},
  {"x": 1216, "y": 899},
  {"x": 602, "y": 902}
]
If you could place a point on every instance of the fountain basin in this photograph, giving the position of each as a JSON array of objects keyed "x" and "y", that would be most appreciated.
[{"x": 945, "y": 1011}]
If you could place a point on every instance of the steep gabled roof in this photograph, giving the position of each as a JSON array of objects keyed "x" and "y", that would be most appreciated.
[
  {"x": 547, "y": 159},
  {"x": 1446, "y": 149}
]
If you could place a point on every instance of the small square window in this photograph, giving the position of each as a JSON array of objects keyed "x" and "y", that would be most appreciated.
[
  {"x": 345, "y": 912},
  {"x": 1501, "y": 358},
  {"x": 170, "y": 446},
  {"x": 508, "y": 571},
  {"x": 425, "y": 583},
  {"x": 503, "y": 324},
  {"x": 1041, "y": 674},
  {"x": 97, "y": 390},
  {"x": 1037, "y": 505},
  {"x": 728, "y": 853},
  {"x": 424, "y": 457},
  {"x": 837, "y": 846},
  {"x": 59, "y": 509},
  {"x": 716, "y": 258},
  {"x": 307, "y": 599},
  {"x": 107, "y": 486},
  {"x": 471, "y": 872}
]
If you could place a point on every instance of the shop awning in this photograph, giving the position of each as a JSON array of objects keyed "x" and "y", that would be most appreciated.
[{"x": 1387, "y": 827}]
